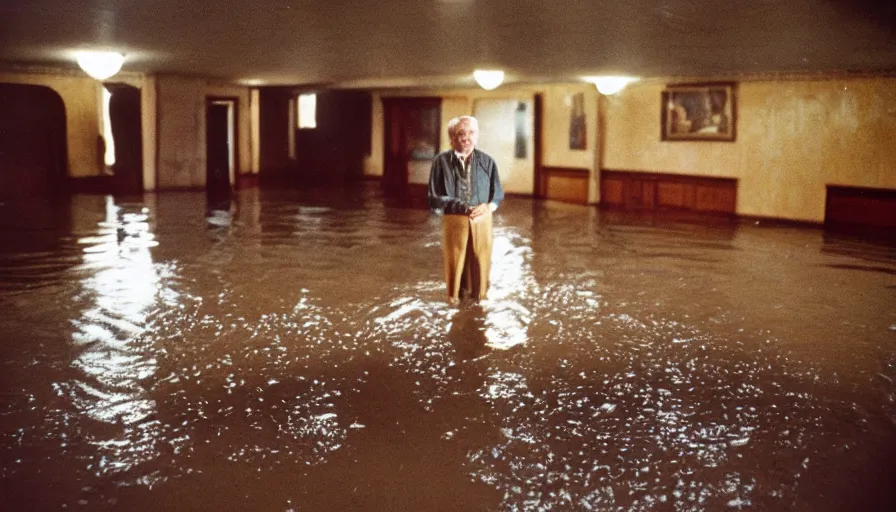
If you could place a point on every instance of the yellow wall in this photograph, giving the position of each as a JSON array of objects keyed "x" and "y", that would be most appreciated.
[
  {"x": 181, "y": 135},
  {"x": 556, "y": 152},
  {"x": 173, "y": 123},
  {"x": 499, "y": 139},
  {"x": 557, "y": 107},
  {"x": 181, "y": 129},
  {"x": 793, "y": 138},
  {"x": 81, "y": 95}
]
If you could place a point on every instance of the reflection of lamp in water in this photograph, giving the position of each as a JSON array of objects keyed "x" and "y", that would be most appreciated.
[
  {"x": 124, "y": 284},
  {"x": 114, "y": 338},
  {"x": 100, "y": 65}
]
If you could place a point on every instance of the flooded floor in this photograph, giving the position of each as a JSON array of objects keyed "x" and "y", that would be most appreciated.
[{"x": 292, "y": 351}]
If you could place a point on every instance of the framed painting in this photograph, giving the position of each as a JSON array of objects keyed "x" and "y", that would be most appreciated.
[
  {"x": 578, "y": 135},
  {"x": 700, "y": 111}
]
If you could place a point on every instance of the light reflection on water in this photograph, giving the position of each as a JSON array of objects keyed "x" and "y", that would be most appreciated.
[
  {"x": 115, "y": 357},
  {"x": 292, "y": 351}
]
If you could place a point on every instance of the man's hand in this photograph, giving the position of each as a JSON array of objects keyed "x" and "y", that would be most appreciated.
[{"x": 479, "y": 211}]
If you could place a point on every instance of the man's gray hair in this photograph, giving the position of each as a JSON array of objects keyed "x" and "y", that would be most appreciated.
[{"x": 452, "y": 124}]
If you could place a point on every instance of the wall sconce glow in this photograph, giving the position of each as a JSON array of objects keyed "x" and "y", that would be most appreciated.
[
  {"x": 488, "y": 79},
  {"x": 100, "y": 65},
  {"x": 608, "y": 85}
]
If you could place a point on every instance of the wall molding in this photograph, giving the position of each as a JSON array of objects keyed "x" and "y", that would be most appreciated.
[
  {"x": 64, "y": 71},
  {"x": 776, "y": 76}
]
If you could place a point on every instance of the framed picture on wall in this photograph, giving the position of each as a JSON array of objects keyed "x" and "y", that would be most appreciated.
[
  {"x": 699, "y": 111},
  {"x": 578, "y": 134}
]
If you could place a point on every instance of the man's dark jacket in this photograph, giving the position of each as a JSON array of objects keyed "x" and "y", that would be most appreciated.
[{"x": 446, "y": 183}]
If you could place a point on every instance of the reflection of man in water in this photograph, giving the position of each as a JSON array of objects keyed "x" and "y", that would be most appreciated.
[
  {"x": 467, "y": 333},
  {"x": 465, "y": 187}
]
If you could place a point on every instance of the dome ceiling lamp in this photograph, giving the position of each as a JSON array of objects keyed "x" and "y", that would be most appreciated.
[
  {"x": 609, "y": 85},
  {"x": 488, "y": 79},
  {"x": 100, "y": 65}
]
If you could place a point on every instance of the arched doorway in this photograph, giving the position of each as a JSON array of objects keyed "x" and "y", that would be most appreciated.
[{"x": 33, "y": 145}]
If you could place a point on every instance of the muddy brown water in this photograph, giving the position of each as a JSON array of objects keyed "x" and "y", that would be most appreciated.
[{"x": 290, "y": 350}]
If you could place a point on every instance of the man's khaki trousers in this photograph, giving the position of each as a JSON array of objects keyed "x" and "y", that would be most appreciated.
[{"x": 467, "y": 246}]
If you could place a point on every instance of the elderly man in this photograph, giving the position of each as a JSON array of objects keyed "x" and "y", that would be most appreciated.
[{"x": 465, "y": 187}]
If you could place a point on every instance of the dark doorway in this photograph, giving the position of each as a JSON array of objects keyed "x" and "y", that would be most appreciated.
[
  {"x": 220, "y": 143},
  {"x": 33, "y": 145},
  {"x": 125, "y": 118},
  {"x": 333, "y": 151},
  {"x": 412, "y": 130},
  {"x": 276, "y": 129}
]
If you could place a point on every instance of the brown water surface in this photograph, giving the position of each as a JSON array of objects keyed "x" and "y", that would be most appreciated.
[{"x": 292, "y": 351}]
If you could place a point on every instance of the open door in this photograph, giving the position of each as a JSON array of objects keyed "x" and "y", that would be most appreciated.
[
  {"x": 220, "y": 138},
  {"x": 125, "y": 120}
]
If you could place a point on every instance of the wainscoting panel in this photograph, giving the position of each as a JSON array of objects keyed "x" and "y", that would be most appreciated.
[
  {"x": 655, "y": 191},
  {"x": 860, "y": 206},
  {"x": 566, "y": 184}
]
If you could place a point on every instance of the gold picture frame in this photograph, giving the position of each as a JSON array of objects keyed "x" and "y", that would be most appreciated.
[{"x": 699, "y": 112}]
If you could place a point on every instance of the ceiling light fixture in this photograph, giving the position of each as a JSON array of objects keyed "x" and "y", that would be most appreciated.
[
  {"x": 609, "y": 85},
  {"x": 100, "y": 65},
  {"x": 488, "y": 79}
]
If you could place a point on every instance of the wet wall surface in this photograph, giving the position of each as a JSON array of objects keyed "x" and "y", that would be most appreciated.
[{"x": 292, "y": 351}]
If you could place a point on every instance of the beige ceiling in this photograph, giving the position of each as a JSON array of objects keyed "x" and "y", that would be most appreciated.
[{"x": 412, "y": 42}]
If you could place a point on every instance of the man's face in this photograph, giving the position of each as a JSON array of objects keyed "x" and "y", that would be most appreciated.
[{"x": 464, "y": 138}]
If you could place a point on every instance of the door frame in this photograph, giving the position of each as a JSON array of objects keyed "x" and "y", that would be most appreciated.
[
  {"x": 234, "y": 103},
  {"x": 538, "y": 189}
]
